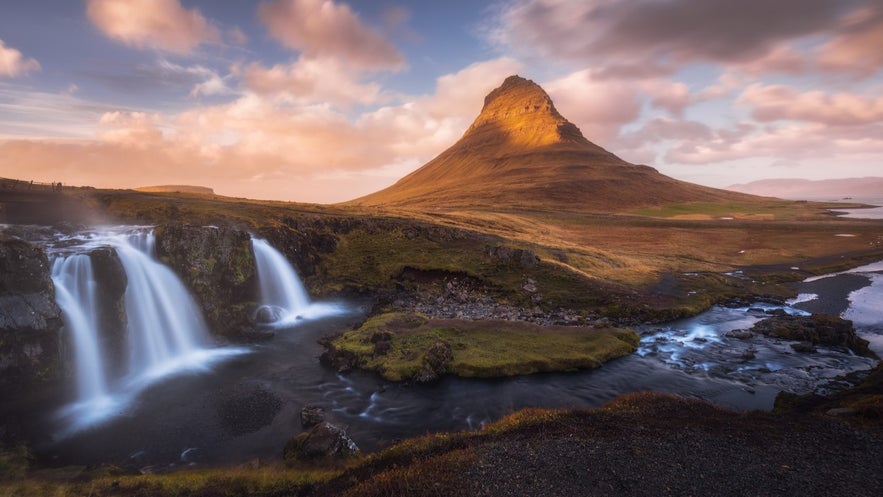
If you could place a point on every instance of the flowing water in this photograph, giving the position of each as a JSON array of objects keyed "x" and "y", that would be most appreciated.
[
  {"x": 249, "y": 405},
  {"x": 165, "y": 333},
  {"x": 283, "y": 298},
  {"x": 77, "y": 295}
]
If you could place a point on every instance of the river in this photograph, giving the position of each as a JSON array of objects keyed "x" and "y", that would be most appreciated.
[{"x": 247, "y": 405}]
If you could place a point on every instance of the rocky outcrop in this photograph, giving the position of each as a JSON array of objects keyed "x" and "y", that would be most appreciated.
[
  {"x": 818, "y": 329},
  {"x": 322, "y": 441},
  {"x": 30, "y": 320},
  {"x": 110, "y": 282},
  {"x": 217, "y": 264}
]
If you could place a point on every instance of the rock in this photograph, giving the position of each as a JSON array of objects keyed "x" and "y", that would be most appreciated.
[
  {"x": 818, "y": 329},
  {"x": 311, "y": 416},
  {"x": 322, "y": 441},
  {"x": 841, "y": 411},
  {"x": 803, "y": 347},
  {"x": 267, "y": 314},
  {"x": 435, "y": 362},
  {"x": 740, "y": 334},
  {"x": 748, "y": 354},
  {"x": 111, "y": 282},
  {"x": 30, "y": 320},
  {"x": 217, "y": 264}
]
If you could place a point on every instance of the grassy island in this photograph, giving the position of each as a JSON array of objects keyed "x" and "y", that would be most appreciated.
[{"x": 410, "y": 346}]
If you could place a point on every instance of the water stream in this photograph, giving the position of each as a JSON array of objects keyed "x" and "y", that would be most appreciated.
[{"x": 248, "y": 406}]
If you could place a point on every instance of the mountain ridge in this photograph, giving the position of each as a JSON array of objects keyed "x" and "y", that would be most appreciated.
[
  {"x": 520, "y": 153},
  {"x": 802, "y": 189}
]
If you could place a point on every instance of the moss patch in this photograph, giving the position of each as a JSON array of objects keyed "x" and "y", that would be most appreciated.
[{"x": 404, "y": 346}]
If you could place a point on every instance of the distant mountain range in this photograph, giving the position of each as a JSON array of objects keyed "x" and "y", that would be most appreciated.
[
  {"x": 800, "y": 189},
  {"x": 521, "y": 154}
]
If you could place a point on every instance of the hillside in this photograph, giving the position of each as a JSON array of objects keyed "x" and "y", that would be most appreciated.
[
  {"x": 801, "y": 189},
  {"x": 520, "y": 153},
  {"x": 176, "y": 189}
]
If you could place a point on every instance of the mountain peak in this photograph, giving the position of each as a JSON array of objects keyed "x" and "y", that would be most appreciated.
[
  {"x": 521, "y": 154},
  {"x": 523, "y": 113}
]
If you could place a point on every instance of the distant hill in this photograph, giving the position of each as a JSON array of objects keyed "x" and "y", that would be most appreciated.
[
  {"x": 801, "y": 189},
  {"x": 520, "y": 153},
  {"x": 175, "y": 189}
]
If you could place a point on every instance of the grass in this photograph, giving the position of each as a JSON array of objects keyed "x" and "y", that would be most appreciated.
[
  {"x": 235, "y": 482},
  {"x": 482, "y": 349}
]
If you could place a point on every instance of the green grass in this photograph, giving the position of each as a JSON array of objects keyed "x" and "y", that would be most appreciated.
[
  {"x": 771, "y": 209},
  {"x": 482, "y": 349}
]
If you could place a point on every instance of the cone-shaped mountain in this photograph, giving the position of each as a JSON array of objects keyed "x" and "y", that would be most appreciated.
[{"x": 520, "y": 153}]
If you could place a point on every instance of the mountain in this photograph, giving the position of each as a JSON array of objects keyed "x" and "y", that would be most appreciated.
[
  {"x": 801, "y": 189},
  {"x": 522, "y": 154}
]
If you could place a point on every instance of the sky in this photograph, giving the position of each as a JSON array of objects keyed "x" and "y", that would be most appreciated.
[{"x": 327, "y": 100}]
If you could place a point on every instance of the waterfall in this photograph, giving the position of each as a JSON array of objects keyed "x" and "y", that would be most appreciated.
[
  {"x": 164, "y": 321},
  {"x": 75, "y": 290},
  {"x": 165, "y": 333},
  {"x": 283, "y": 297}
]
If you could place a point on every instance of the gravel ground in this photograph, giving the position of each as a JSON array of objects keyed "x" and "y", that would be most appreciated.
[{"x": 702, "y": 451}]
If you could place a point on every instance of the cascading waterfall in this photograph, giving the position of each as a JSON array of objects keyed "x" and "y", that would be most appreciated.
[
  {"x": 283, "y": 297},
  {"x": 165, "y": 332},
  {"x": 76, "y": 294},
  {"x": 164, "y": 322}
]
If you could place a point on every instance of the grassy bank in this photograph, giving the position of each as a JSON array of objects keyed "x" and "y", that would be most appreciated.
[{"x": 404, "y": 346}]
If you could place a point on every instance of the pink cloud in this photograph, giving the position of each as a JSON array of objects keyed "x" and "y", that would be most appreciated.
[
  {"x": 326, "y": 29},
  {"x": 312, "y": 80},
  {"x": 599, "y": 107},
  {"x": 159, "y": 24},
  {"x": 779, "y": 102},
  {"x": 857, "y": 47},
  {"x": 13, "y": 63}
]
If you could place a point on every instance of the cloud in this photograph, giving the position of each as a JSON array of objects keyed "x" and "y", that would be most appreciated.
[
  {"x": 13, "y": 63},
  {"x": 267, "y": 145},
  {"x": 160, "y": 24},
  {"x": 644, "y": 38},
  {"x": 780, "y": 102},
  {"x": 325, "y": 29},
  {"x": 599, "y": 107},
  {"x": 857, "y": 47},
  {"x": 309, "y": 80}
]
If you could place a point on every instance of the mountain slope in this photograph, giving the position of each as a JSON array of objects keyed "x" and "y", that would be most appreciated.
[{"x": 520, "y": 153}]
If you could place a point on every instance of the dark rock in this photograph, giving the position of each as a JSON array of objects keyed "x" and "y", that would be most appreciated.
[
  {"x": 248, "y": 410},
  {"x": 322, "y": 441},
  {"x": 311, "y": 416},
  {"x": 517, "y": 257},
  {"x": 748, "y": 354},
  {"x": 803, "y": 347},
  {"x": 111, "y": 282},
  {"x": 217, "y": 264},
  {"x": 818, "y": 329},
  {"x": 740, "y": 334},
  {"x": 267, "y": 314},
  {"x": 382, "y": 348},
  {"x": 30, "y": 320},
  {"x": 776, "y": 312},
  {"x": 435, "y": 362}
]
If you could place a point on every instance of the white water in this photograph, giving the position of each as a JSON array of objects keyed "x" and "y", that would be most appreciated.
[
  {"x": 165, "y": 334},
  {"x": 164, "y": 321},
  {"x": 75, "y": 290},
  {"x": 283, "y": 298}
]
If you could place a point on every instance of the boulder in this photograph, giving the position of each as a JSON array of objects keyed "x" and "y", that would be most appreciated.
[
  {"x": 217, "y": 264},
  {"x": 818, "y": 329},
  {"x": 311, "y": 416},
  {"x": 435, "y": 362},
  {"x": 323, "y": 441},
  {"x": 30, "y": 320}
]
